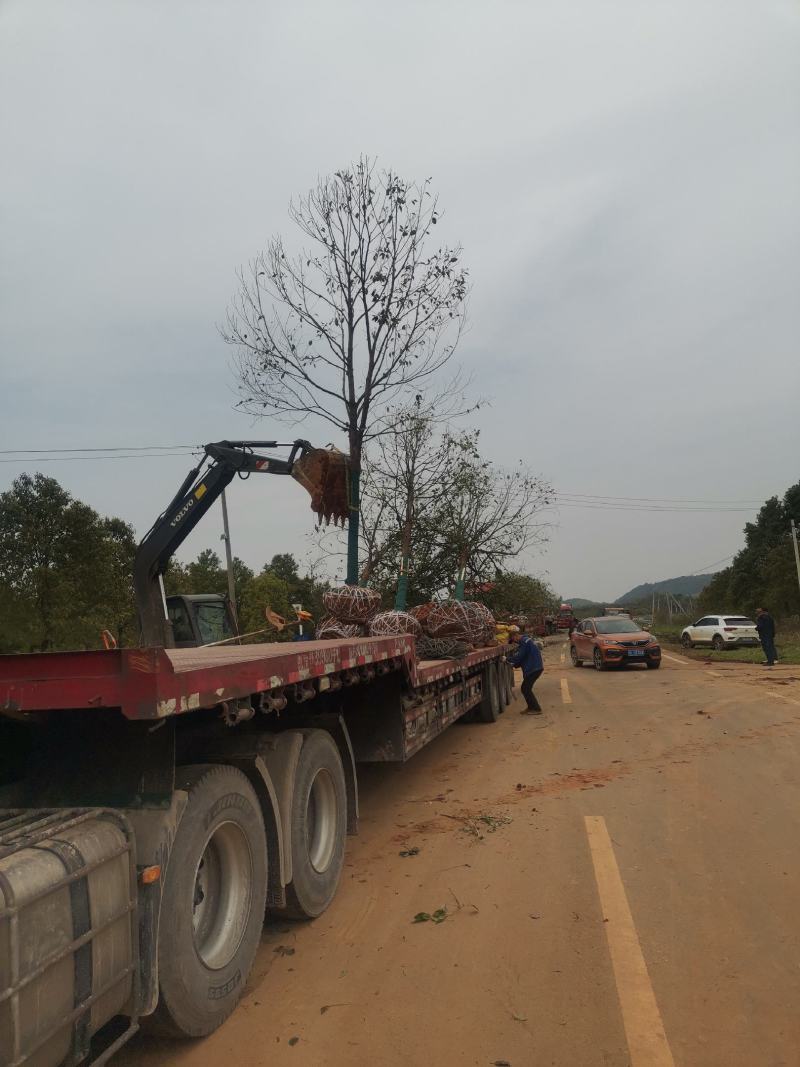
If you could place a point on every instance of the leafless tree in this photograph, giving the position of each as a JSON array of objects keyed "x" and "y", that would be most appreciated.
[{"x": 367, "y": 312}]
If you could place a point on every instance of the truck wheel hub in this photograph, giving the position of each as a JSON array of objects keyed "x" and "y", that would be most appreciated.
[
  {"x": 321, "y": 821},
  {"x": 221, "y": 904}
]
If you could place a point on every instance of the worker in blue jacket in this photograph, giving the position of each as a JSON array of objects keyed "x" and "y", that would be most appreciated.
[{"x": 528, "y": 657}]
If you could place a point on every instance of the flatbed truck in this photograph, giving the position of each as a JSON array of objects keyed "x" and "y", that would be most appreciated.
[{"x": 156, "y": 802}]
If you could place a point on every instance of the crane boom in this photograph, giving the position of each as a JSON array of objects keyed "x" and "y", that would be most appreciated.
[{"x": 325, "y": 479}]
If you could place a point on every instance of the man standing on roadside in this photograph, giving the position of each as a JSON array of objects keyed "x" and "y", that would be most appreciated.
[
  {"x": 765, "y": 624},
  {"x": 528, "y": 657}
]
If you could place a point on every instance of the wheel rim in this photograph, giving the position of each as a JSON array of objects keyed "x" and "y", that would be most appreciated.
[
  {"x": 321, "y": 821},
  {"x": 573, "y": 656},
  {"x": 598, "y": 659},
  {"x": 222, "y": 893}
]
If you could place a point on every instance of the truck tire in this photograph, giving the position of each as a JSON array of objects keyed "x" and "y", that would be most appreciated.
[
  {"x": 505, "y": 684},
  {"x": 489, "y": 709},
  {"x": 212, "y": 909},
  {"x": 318, "y": 827}
]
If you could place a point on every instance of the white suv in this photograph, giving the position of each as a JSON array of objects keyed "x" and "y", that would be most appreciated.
[{"x": 721, "y": 631}]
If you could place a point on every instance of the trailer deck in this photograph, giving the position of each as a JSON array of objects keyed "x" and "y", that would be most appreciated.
[{"x": 154, "y": 683}]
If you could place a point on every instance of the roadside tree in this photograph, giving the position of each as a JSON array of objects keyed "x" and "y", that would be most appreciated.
[{"x": 363, "y": 315}]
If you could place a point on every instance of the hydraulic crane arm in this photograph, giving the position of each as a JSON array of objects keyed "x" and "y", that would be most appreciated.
[{"x": 321, "y": 471}]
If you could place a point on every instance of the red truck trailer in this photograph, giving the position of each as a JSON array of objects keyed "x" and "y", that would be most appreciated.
[{"x": 154, "y": 801}]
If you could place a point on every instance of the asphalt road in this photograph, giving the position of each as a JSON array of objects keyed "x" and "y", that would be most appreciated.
[{"x": 621, "y": 881}]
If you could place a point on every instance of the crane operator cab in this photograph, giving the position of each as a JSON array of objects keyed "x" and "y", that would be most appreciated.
[{"x": 202, "y": 619}]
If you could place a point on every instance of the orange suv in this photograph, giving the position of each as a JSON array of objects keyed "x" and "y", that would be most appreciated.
[{"x": 613, "y": 641}]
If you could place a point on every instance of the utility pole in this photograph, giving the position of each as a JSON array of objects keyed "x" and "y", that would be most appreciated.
[
  {"x": 796, "y": 552},
  {"x": 226, "y": 537}
]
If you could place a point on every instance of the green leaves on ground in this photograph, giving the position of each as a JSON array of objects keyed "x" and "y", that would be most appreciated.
[{"x": 437, "y": 916}]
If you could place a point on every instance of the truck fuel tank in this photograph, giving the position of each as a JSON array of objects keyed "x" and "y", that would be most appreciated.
[{"x": 68, "y": 935}]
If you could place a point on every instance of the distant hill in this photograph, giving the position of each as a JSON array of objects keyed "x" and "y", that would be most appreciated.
[
  {"x": 687, "y": 585},
  {"x": 577, "y": 601}
]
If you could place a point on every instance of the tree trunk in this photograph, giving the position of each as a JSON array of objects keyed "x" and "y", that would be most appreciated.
[
  {"x": 401, "y": 597},
  {"x": 353, "y": 519},
  {"x": 462, "y": 572}
]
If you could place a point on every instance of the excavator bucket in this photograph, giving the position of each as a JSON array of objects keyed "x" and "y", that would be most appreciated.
[{"x": 325, "y": 474}]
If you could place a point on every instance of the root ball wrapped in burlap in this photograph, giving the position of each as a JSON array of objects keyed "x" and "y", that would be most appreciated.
[
  {"x": 485, "y": 631},
  {"x": 394, "y": 624},
  {"x": 352, "y": 603},
  {"x": 329, "y": 629},
  {"x": 421, "y": 612},
  {"x": 454, "y": 618}
]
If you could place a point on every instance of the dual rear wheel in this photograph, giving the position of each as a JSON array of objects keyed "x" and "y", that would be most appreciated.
[{"x": 215, "y": 887}]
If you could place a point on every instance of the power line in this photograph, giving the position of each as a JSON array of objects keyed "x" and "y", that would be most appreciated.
[
  {"x": 121, "y": 448},
  {"x": 596, "y": 505},
  {"x": 650, "y": 499},
  {"x": 73, "y": 459},
  {"x": 708, "y": 566}
]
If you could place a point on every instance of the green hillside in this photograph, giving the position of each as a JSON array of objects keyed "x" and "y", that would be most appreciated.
[{"x": 686, "y": 585}]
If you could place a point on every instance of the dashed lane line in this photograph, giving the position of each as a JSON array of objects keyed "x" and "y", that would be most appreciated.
[
  {"x": 563, "y": 657},
  {"x": 566, "y": 698},
  {"x": 644, "y": 1028},
  {"x": 666, "y": 655}
]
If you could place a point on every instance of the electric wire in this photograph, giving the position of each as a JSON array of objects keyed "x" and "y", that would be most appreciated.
[
  {"x": 73, "y": 459},
  {"x": 116, "y": 448}
]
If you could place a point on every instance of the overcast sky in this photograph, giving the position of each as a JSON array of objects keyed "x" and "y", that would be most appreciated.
[{"x": 623, "y": 177}]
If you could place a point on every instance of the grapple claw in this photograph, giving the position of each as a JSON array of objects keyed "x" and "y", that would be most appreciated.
[{"x": 325, "y": 474}]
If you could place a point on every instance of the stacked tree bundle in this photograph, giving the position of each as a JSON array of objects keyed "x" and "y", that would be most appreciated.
[
  {"x": 394, "y": 624},
  {"x": 442, "y": 648},
  {"x": 485, "y": 635},
  {"x": 444, "y": 629},
  {"x": 330, "y": 629},
  {"x": 350, "y": 609},
  {"x": 466, "y": 623}
]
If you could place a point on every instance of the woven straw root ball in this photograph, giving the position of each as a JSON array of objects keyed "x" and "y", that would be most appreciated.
[
  {"x": 485, "y": 633},
  {"x": 351, "y": 603},
  {"x": 421, "y": 612},
  {"x": 394, "y": 624},
  {"x": 461, "y": 619},
  {"x": 330, "y": 628},
  {"x": 441, "y": 648}
]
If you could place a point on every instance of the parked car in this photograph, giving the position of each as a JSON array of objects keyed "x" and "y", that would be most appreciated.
[
  {"x": 613, "y": 641},
  {"x": 721, "y": 631}
]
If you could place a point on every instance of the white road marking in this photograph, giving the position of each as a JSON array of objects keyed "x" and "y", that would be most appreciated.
[
  {"x": 644, "y": 1028},
  {"x": 666, "y": 655},
  {"x": 713, "y": 674},
  {"x": 565, "y": 694}
]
